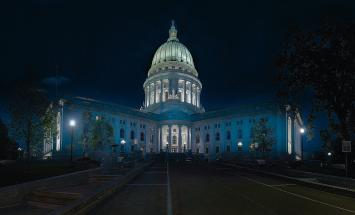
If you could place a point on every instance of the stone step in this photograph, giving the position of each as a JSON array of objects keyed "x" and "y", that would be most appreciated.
[
  {"x": 101, "y": 178},
  {"x": 43, "y": 205},
  {"x": 56, "y": 195},
  {"x": 50, "y": 200}
]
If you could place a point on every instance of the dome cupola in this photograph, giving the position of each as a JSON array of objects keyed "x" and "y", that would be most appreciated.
[
  {"x": 172, "y": 84},
  {"x": 172, "y": 52}
]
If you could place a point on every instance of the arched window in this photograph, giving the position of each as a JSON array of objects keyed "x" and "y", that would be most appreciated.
[
  {"x": 207, "y": 137},
  {"x": 228, "y": 135},
  {"x": 121, "y": 133},
  {"x": 132, "y": 135},
  {"x": 197, "y": 138},
  {"x": 142, "y": 136},
  {"x": 218, "y": 136}
]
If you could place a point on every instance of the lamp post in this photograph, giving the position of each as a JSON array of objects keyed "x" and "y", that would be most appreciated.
[
  {"x": 240, "y": 146},
  {"x": 123, "y": 142},
  {"x": 302, "y": 131},
  {"x": 19, "y": 149},
  {"x": 72, "y": 124}
]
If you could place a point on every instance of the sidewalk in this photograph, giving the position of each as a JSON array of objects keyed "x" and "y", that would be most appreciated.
[
  {"x": 74, "y": 198},
  {"x": 341, "y": 185}
]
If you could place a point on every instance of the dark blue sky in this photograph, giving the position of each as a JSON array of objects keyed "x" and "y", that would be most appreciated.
[{"x": 105, "y": 48}]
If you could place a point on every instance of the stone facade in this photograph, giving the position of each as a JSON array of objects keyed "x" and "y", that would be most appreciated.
[{"x": 173, "y": 119}]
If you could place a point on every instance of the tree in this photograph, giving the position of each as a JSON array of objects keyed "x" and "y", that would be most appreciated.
[
  {"x": 8, "y": 148},
  {"x": 263, "y": 136},
  {"x": 322, "y": 63},
  {"x": 101, "y": 134},
  {"x": 28, "y": 108},
  {"x": 49, "y": 127}
]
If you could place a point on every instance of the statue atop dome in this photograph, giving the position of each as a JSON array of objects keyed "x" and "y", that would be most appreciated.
[{"x": 173, "y": 32}]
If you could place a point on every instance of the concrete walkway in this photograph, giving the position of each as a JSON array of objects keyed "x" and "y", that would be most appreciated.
[
  {"x": 146, "y": 194},
  {"x": 72, "y": 197}
]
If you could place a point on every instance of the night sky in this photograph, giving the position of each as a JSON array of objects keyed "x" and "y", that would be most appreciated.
[{"x": 104, "y": 48}]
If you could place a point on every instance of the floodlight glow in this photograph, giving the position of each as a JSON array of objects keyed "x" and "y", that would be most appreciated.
[
  {"x": 123, "y": 142},
  {"x": 72, "y": 123},
  {"x": 302, "y": 130},
  {"x": 240, "y": 144},
  {"x": 329, "y": 154}
]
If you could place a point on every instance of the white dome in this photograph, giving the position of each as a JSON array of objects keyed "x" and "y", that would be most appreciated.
[
  {"x": 172, "y": 54},
  {"x": 173, "y": 50}
]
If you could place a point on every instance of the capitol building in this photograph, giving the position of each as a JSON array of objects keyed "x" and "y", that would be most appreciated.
[{"x": 172, "y": 118}]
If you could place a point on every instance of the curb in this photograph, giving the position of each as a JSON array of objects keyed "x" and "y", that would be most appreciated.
[
  {"x": 84, "y": 205},
  {"x": 324, "y": 187}
]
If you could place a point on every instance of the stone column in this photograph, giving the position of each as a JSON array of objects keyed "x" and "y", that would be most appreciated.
[
  {"x": 155, "y": 91},
  {"x": 161, "y": 90},
  {"x": 184, "y": 91},
  {"x": 198, "y": 96},
  {"x": 180, "y": 140},
  {"x": 170, "y": 139},
  {"x": 147, "y": 98},
  {"x": 188, "y": 139},
  {"x": 191, "y": 93},
  {"x": 160, "y": 139},
  {"x": 152, "y": 91}
]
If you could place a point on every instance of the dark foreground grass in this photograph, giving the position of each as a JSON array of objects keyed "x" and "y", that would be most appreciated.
[{"x": 19, "y": 172}]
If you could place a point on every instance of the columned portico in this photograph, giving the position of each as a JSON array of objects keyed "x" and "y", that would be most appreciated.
[{"x": 174, "y": 138}]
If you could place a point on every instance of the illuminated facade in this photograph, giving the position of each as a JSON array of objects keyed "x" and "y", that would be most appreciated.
[{"x": 172, "y": 118}]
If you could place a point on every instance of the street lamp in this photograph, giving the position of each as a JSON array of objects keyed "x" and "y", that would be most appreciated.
[
  {"x": 122, "y": 146},
  {"x": 72, "y": 124},
  {"x": 302, "y": 131},
  {"x": 240, "y": 145},
  {"x": 19, "y": 149}
]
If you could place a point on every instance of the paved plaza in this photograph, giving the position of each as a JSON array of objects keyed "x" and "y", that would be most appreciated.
[{"x": 213, "y": 189}]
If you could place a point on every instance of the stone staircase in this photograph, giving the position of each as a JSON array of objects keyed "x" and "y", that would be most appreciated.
[
  {"x": 101, "y": 178},
  {"x": 50, "y": 200}
]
